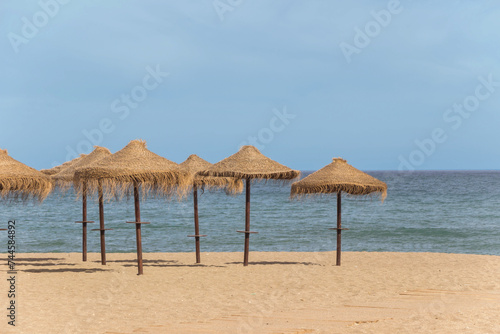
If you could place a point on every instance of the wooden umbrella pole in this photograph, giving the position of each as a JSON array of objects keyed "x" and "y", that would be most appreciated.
[
  {"x": 84, "y": 222},
  {"x": 247, "y": 224},
  {"x": 196, "y": 224},
  {"x": 101, "y": 222},
  {"x": 138, "y": 228},
  {"x": 339, "y": 226},
  {"x": 197, "y": 234}
]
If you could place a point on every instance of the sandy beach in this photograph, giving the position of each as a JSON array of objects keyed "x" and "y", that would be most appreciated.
[{"x": 277, "y": 293}]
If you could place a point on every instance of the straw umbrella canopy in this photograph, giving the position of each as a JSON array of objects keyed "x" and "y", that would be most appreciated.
[
  {"x": 20, "y": 181},
  {"x": 338, "y": 177},
  {"x": 248, "y": 163},
  {"x": 193, "y": 165},
  {"x": 125, "y": 170},
  {"x": 64, "y": 179},
  {"x": 57, "y": 169}
]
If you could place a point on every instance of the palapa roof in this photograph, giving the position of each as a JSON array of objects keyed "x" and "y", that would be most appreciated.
[
  {"x": 249, "y": 163},
  {"x": 135, "y": 163},
  {"x": 65, "y": 177},
  {"x": 195, "y": 164},
  {"x": 57, "y": 169},
  {"x": 339, "y": 176},
  {"x": 18, "y": 180}
]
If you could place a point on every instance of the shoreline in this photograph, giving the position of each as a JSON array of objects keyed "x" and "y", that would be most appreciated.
[
  {"x": 279, "y": 292},
  {"x": 265, "y": 252}
]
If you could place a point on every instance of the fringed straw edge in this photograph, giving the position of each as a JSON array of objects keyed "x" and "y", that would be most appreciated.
[
  {"x": 232, "y": 186},
  {"x": 25, "y": 188},
  {"x": 277, "y": 176},
  {"x": 300, "y": 192},
  {"x": 156, "y": 184}
]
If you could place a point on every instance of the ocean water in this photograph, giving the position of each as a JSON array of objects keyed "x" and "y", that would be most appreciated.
[{"x": 429, "y": 211}]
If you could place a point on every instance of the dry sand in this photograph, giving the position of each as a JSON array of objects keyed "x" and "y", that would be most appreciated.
[{"x": 277, "y": 293}]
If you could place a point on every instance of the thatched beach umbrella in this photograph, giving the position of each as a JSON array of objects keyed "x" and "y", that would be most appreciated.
[
  {"x": 248, "y": 163},
  {"x": 339, "y": 177},
  {"x": 57, "y": 169},
  {"x": 64, "y": 179},
  {"x": 193, "y": 165},
  {"x": 127, "y": 169},
  {"x": 20, "y": 181}
]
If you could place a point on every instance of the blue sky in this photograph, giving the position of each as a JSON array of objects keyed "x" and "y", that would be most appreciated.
[{"x": 386, "y": 85}]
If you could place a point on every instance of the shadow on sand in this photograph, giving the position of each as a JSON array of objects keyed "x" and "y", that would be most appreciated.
[
  {"x": 64, "y": 270},
  {"x": 135, "y": 261},
  {"x": 265, "y": 263},
  {"x": 30, "y": 259},
  {"x": 176, "y": 265}
]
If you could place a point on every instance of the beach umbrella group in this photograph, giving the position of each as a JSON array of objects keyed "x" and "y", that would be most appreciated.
[
  {"x": 65, "y": 177},
  {"x": 335, "y": 178},
  {"x": 126, "y": 171},
  {"x": 135, "y": 168}
]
